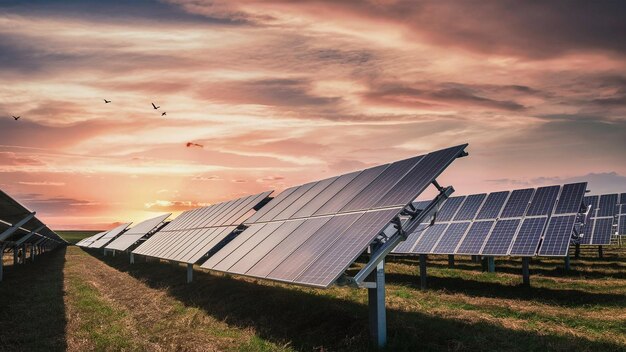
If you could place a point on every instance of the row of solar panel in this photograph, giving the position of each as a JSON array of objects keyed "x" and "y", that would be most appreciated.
[
  {"x": 524, "y": 222},
  {"x": 606, "y": 216},
  {"x": 308, "y": 234}
]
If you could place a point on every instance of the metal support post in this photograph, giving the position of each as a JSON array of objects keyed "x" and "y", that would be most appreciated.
[
  {"x": 451, "y": 260},
  {"x": 23, "y": 257},
  {"x": 189, "y": 273},
  {"x": 377, "y": 312},
  {"x": 15, "y": 258},
  {"x": 1, "y": 262},
  {"x": 132, "y": 258},
  {"x": 567, "y": 266},
  {"x": 423, "y": 273},
  {"x": 600, "y": 254},
  {"x": 104, "y": 252},
  {"x": 32, "y": 253},
  {"x": 113, "y": 253},
  {"x": 577, "y": 251},
  {"x": 526, "y": 271},
  {"x": 491, "y": 264}
]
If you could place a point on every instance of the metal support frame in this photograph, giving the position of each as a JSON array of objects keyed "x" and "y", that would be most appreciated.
[
  {"x": 491, "y": 264},
  {"x": 11, "y": 230},
  {"x": 1, "y": 261},
  {"x": 526, "y": 271},
  {"x": 376, "y": 302},
  {"x": 577, "y": 250},
  {"x": 451, "y": 260},
  {"x": 423, "y": 272},
  {"x": 113, "y": 253},
  {"x": 376, "y": 264},
  {"x": 600, "y": 253},
  {"x": 566, "y": 265},
  {"x": 15, "y": 258},
  {"x": 29, "y": 235},
  {"x": 189, "y": 273},
  {"x": 132, "y": 258}
]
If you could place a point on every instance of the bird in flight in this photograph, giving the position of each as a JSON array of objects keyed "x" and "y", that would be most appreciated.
[
  {"x": 106, "y": 101},
  {"x": 155, "y": 107},
  {"x": 189, "y": 145},
  {"x": 16, "y": 117},
  {"x": 163, "y": 113}
]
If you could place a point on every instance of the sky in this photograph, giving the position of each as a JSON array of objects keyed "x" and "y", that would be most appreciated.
[{"x": 265, "y": 95}]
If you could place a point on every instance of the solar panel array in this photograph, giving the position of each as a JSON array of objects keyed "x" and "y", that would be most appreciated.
[
  {"x": 109, "y": 236},
  {"x": 196, "y": 232},
  {"x": 310, "y": 234},
  {"x": 139, "y": 231},
  {"x": 12, "y": 213},
  {"x": 85, "y": 242},
  {"x": 523, "y": 222},
  {"x": 606, "y": 216}
]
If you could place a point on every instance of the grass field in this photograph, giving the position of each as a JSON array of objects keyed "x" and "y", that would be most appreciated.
[
  {"x": 80, "y": 301},
  {"x": 74, "y": 236}
]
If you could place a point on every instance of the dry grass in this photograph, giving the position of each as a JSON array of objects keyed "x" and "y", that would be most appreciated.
[{"x": 110, "y": 305}]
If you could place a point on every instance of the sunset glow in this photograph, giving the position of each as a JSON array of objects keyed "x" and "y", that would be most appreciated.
[{"x": 277, "y": 93}]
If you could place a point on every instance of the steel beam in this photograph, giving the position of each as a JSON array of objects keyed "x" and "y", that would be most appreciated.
[
  {"x": 526, "y": 271},
  {"x": 491, "y": 264},
  {"x": 423, "y": 274},
  {"x": 451, "y": 260},
  {"x": 8, "y": 232},
  {"x": 376, "y": 302},
  {"x": 189, "y": 273},
  {"x": 29, "y": 235}
]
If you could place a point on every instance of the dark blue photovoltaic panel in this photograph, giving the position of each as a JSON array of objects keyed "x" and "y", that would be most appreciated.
[
  {"x": 622, "y": 198},
  {"x": 622, "y": 209},
  {"x": 602, "y": 231},
  {"x": 493, "y": 205},
  {"x": 528, "y": 237},
  {"x": 421, "y": 204},
  {"x": 571, "y": 198},
  {"x": 429, "y": 239},
  {"x": 449, "y": 208},
  {"x": 350, "y": 191},
  {"x": 470, "y": 207},
  {"x": 607, "y": 205},
  {"x": 558, "y": 235},
  {"x": 406, "y": 245},
  {"x": 593, "y": 202},
  {"x": 543, "y": 201},
  {"x": 381, "y": 185},
  {"x": 475, "y": 237},
  {"x": 416, "y": 180},
  {"x": 587, "y": 231},
  {"x": 518, "y": 202},
  {"x": 451, "y": 238},
  {"x": 621, "y": 225},
  {"x": 501, "y": 237}
]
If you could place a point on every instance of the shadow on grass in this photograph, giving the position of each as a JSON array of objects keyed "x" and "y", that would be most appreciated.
[
  {"x": 32, "y": 310},
  {"x": 307, "y": 319}
]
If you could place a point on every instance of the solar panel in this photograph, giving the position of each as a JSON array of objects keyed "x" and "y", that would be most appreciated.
[
  {"x": 318, "y": 249},
  {"x": 406, "y": 245},
  {"x": 195, "y": 233},
  {"x": 429, "y": 239},
  {"x": 602, "y": 231},
  {"x": 470, "y": 207},
  {"x": 543, "y": 201},
  {"x": 622, "y": 198},
  {"x": 622, "y": 209},
  {"x": 571, "y": 198},
  {"x": 528, "y": 237},
  {"x": 89, "y": 240},
  {"x": 558, "y": 235},
  {"x": 621, "y": 224},
  {"x": 449, "y": 208},
  {"x": 451, "y": 238},
  {"x": 475, "y": 237},
  {"x": 517, "y": 203},
  {"x": 587, "y": 231},
  {"x": 130, "y": 237},
  {"x": 606, "y": 206},
  {"x": 493, "y": 205},
  {"x": 501, "y": 237},
  {"x": 102, "y": 241}
]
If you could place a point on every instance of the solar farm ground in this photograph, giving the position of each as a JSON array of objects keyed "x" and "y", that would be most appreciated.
[{"x": 78, "y": 300}]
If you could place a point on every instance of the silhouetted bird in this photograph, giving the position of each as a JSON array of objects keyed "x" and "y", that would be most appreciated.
[
  {"x": 106, "y": 101},
  {"x": 164, "y": 113},
  {"x": 189, "y": 145},
  {"x": 155, "y": 107},
  {"x": 16, "y": 117}
]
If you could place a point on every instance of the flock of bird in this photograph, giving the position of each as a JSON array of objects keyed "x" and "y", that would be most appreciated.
[{"x": 164, "y": 113}]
